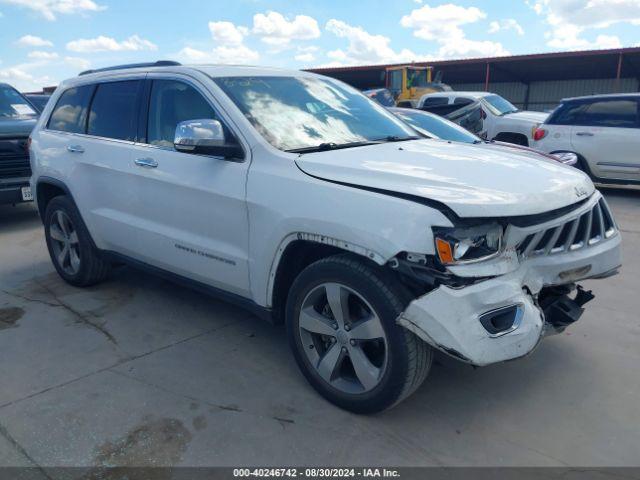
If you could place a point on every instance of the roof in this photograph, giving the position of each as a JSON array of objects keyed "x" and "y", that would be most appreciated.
[
  {"x": 209, "y": 70},
  {"x": 458, "y": 94},
  {"x": 601, "y": 96},
  {"x": 517, "y": 68}
]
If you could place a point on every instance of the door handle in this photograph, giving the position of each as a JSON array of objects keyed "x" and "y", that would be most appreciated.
[
  {"x": 75, "y": 149},
  {"x": 146, "y": 162},
  {"x": 584, "y": 134}
]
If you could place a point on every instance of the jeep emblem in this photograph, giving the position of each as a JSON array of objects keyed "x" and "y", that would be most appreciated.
[{"x": 580, "y": 191}]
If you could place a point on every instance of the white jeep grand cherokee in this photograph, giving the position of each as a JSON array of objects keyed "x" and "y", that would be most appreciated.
[{"x": 301, "y": 198}]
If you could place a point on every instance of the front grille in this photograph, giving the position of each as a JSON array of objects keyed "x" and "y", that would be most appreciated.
[
  {"x": 12, "y": 166},
  {"x": 590, "y": 228}
]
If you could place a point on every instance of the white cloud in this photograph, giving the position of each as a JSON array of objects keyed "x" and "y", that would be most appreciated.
[
  {"x": 49, "y": 8},
  {"x": 506, "y": 24},
  {"x": 569, "y": 19},
  {"x": 229, "y": 49},
  {"x": 276, "y": 30},
  {"x": 589, "y": 14},
  {"x": 40, "y": 55},
  {"x": 108, "y": 44},
  {"x": 227, "y": 34},
  {"x": 22, "y": 78},
  {"x": 238, "y": 54},
  {"x": 306, "y": 53},
  {"x": 442, "y": 24},
  {"x": 568, "y": 38},
  {"x": 305, "y": 57},
  {"x": 78, "y": 63},
  {"x": 364, "y": 47},
  {"x": 33, "y": 41}
]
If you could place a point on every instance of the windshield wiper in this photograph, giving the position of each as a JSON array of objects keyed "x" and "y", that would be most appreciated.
[
  {"x": 395, "y": 138},
  {"x": 323, "y": 147}
]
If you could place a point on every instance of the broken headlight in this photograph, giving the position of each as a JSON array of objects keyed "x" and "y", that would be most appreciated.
[{"x": 467, "y": 244}]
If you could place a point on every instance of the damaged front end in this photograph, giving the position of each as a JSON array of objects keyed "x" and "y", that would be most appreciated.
[{"x": 499, "y": 307}]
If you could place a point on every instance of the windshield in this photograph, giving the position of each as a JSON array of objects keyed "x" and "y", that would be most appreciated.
[
  {"x": 498, "y": 105},
  {"x": 12, "y": 104},
  {"x": 416, "y": 77},
  {"x": 295, "y": 113},
  {"x": 436, "y": 127}
]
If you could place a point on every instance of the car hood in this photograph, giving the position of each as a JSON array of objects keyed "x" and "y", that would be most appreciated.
[
  {"x": 472, "y": 181},
  {"x": 17, "y": 127},
  {"x": 527, "y": 116}
]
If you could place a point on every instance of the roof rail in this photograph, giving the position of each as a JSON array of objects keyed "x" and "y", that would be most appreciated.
[{"x": 159, "y": 63}]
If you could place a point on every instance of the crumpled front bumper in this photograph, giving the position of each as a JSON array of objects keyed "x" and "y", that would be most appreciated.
[{"x": 449, "y": 318}]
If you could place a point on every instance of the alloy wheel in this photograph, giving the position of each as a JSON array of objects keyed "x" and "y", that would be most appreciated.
[
  {"x": 343, "y": 338},
  {"x": 64, "y": 241}
]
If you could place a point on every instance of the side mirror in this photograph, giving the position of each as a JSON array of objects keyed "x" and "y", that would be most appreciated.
[{"x": 205, "y": 137}]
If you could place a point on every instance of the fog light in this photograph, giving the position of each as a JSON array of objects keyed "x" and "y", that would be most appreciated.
[{"x": 502, "y": 320}]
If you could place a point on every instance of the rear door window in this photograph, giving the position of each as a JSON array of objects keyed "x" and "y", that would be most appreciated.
[
  {"x": 70, "y": 113},
  {"x": 622, "y": 113},
  {"x": 114, "y": 110}
]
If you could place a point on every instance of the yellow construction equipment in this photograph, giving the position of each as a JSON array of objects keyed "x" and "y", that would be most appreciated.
[{"x": 408, "y": 83}]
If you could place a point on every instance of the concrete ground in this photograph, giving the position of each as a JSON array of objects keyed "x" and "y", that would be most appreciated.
[{"x": 138, "y": 371}]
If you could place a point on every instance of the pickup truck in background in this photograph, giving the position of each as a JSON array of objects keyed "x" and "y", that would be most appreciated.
[
  {"x": 486, "y": 114},
  {"x": 17, "y": 119}
]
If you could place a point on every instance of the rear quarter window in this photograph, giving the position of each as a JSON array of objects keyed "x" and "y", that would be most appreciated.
[
  {"x": 435, "y": 101},
  {"x": 70, "y": 112},
  {"x": 566, "y": 114}
]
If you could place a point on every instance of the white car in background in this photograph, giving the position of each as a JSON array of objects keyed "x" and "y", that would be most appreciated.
[
  {"x": 433, "y": 126},
  {"x": 603, "y": 130},
  {"x": 486, "y": 114}
]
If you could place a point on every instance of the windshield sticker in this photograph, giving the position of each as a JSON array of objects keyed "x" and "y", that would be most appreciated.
[{"x": 22, "y": 109}]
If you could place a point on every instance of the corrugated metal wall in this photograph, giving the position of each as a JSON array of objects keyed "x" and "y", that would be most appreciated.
[{"x": 545, "y": 96}]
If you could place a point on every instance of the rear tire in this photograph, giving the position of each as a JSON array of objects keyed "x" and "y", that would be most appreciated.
[
  {"x": 72, "y": 252},
  {"x": 359, "y": 359}
]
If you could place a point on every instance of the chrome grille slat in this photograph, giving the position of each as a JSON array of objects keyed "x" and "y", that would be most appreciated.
[
  {"x": 587, "y": 230},
  {"x": 554, "y": 239},
  {"x": 533, "y": 243},
  {"x": 599, "y": 226},
  {"x": 582, "y": 231},
  {"x": 572, "y": 234}
]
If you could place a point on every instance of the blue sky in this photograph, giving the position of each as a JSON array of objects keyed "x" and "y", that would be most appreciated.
[{"x": 45, "y": 41}]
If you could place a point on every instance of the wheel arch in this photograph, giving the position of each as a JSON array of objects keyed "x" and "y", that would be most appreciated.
[
  {"x": 48, "y": 188},
  {"x": 296, "y": 252}
]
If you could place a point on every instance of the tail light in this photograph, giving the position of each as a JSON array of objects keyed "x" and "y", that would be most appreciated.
[{"x": 539, "y": 134}]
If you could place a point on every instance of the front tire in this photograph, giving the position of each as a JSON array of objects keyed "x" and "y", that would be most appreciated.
[
  {"x": 72, "y": 252},
  {"x": 341, "y": 325}
]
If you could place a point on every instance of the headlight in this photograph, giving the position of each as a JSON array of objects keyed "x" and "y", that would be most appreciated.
[
  {"x": 469, "y": 244},
  {"x": 567, "y": 158}
]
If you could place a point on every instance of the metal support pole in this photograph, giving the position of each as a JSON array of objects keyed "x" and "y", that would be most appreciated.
[
  {"x": 526, "y": 96},
  {"x": 619, "y": 72},
  {"x": 486, "y": 79}
]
